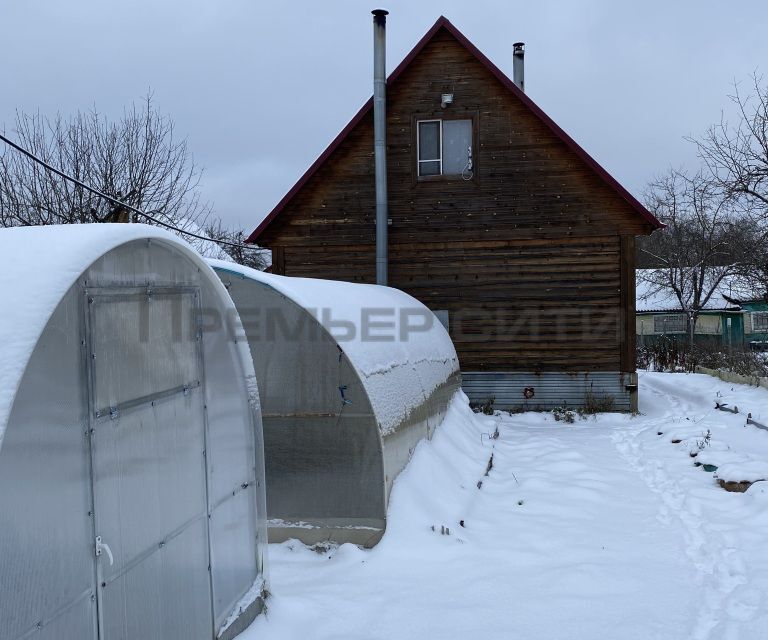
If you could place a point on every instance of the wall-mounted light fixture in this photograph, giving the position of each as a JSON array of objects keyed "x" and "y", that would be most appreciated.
[{"x": 446, "y": 99}]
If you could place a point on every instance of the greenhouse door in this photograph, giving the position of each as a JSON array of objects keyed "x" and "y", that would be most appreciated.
[{"x": 148, "y": 464}]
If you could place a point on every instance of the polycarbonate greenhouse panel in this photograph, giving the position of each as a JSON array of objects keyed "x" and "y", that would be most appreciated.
[
  {"x": 324, "y": 468},
  {"x": 74, "y": 622},
  {"x": 171, "y": 589},
  {"x": 342, "y": 412},
  {"x": 233, "y": 527},
  {"x": 46, "y": 581},
  {"x": 126, "y": 481},
  {"x": 142, "y": 344},
  {"x": 149, "y": 475}
]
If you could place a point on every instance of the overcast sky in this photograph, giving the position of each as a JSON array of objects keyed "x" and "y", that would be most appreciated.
[{"x": 260, "y": 88}]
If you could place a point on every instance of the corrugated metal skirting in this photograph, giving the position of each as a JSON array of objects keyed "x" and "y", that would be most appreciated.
[{"x": 547, "y": 390}]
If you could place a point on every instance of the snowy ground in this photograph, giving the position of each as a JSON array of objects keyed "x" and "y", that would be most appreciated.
[{"x": 598, "y": 529}]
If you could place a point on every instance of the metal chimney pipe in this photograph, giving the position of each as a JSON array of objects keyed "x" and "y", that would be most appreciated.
[
  {"x": 380, "y": 140},
  {"x": 518, "y": 65}
]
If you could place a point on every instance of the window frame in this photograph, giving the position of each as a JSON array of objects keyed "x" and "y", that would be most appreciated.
[
  {"x": 441, "y": 116},
  {"x": 439, "y": 159},
  {"x": 762, "y": 325},
  {"x": 676, "y": 316}
]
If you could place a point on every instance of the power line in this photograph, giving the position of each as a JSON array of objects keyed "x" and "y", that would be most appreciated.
[{"x": 115, "y": 201}]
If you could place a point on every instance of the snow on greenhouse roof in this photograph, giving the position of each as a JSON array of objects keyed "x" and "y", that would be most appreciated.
[
  {"x": 397, "y": 374},
  {"x": 38, "y": 265}
]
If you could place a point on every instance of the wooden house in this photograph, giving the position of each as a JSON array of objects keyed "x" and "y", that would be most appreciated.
[
  {"x": 756, "y": 323},
  {"x": 659, "y": 314},
  {"x": 728, "y": 319},
  {"x": 498, "y": 221}
]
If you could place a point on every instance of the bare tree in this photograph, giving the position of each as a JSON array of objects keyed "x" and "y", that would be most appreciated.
[
  {"x": 749, "y": 247},
  {"x": 234, "y": 247},
  {"x": 717, "y": 219},
  {"x": 700, "y": 246},
  {"x": 137, "y": 160},
  {"x": 736, "y": 155}
]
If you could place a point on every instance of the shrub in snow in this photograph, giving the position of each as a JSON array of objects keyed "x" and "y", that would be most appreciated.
[
  {"x": 705, "y": 441},
  {"x": 485, "y": 407},
  {"x": 594, "y": 404},
  {"x": 564, "y": 414},
  {"x": 672, "y": 355}
]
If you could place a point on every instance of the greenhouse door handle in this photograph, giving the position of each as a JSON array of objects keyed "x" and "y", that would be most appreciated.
[{"x": 103, "y": 546}]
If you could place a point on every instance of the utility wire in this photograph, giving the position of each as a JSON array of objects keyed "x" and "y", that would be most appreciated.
[{"x": 120, "y": 203}]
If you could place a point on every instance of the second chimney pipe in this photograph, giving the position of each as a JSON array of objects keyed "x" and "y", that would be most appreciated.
[
  {"x": 518, "y": 65},
  {"x": 380, "y": 140}
]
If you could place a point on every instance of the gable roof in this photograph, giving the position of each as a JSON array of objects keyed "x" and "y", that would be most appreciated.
[{"x": 444, "y": 23}]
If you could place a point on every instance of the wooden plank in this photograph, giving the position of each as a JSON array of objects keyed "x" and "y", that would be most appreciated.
[
  {"x": 628, "y": 338},
  {"x": 278, "y": 260}
]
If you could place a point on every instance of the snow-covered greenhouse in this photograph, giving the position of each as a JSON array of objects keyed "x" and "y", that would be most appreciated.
[
  {"x": 351, "y": 378},
  {"x": 131, "y": 456}
]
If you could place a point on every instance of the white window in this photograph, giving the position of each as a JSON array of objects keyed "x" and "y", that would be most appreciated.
[
  {"x": 759, "y": 321},
  {"x": 444, "y": 148},
  {"x": 672, "y": 323}
]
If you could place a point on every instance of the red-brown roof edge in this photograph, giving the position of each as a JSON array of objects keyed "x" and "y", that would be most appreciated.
[{"x": 443, "y": 22}]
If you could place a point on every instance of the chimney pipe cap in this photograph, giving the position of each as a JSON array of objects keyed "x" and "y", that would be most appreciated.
[
  {"x": 380, "y": 13},
  {"x": 519, "y": 48}
]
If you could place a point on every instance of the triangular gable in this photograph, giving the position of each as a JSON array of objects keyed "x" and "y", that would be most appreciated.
[{"x": 444, "y": 23}]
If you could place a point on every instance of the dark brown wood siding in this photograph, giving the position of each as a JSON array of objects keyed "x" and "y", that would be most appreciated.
[
  {"x": 530, "y": 257},
  {"x": 530, "y": 305}
]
